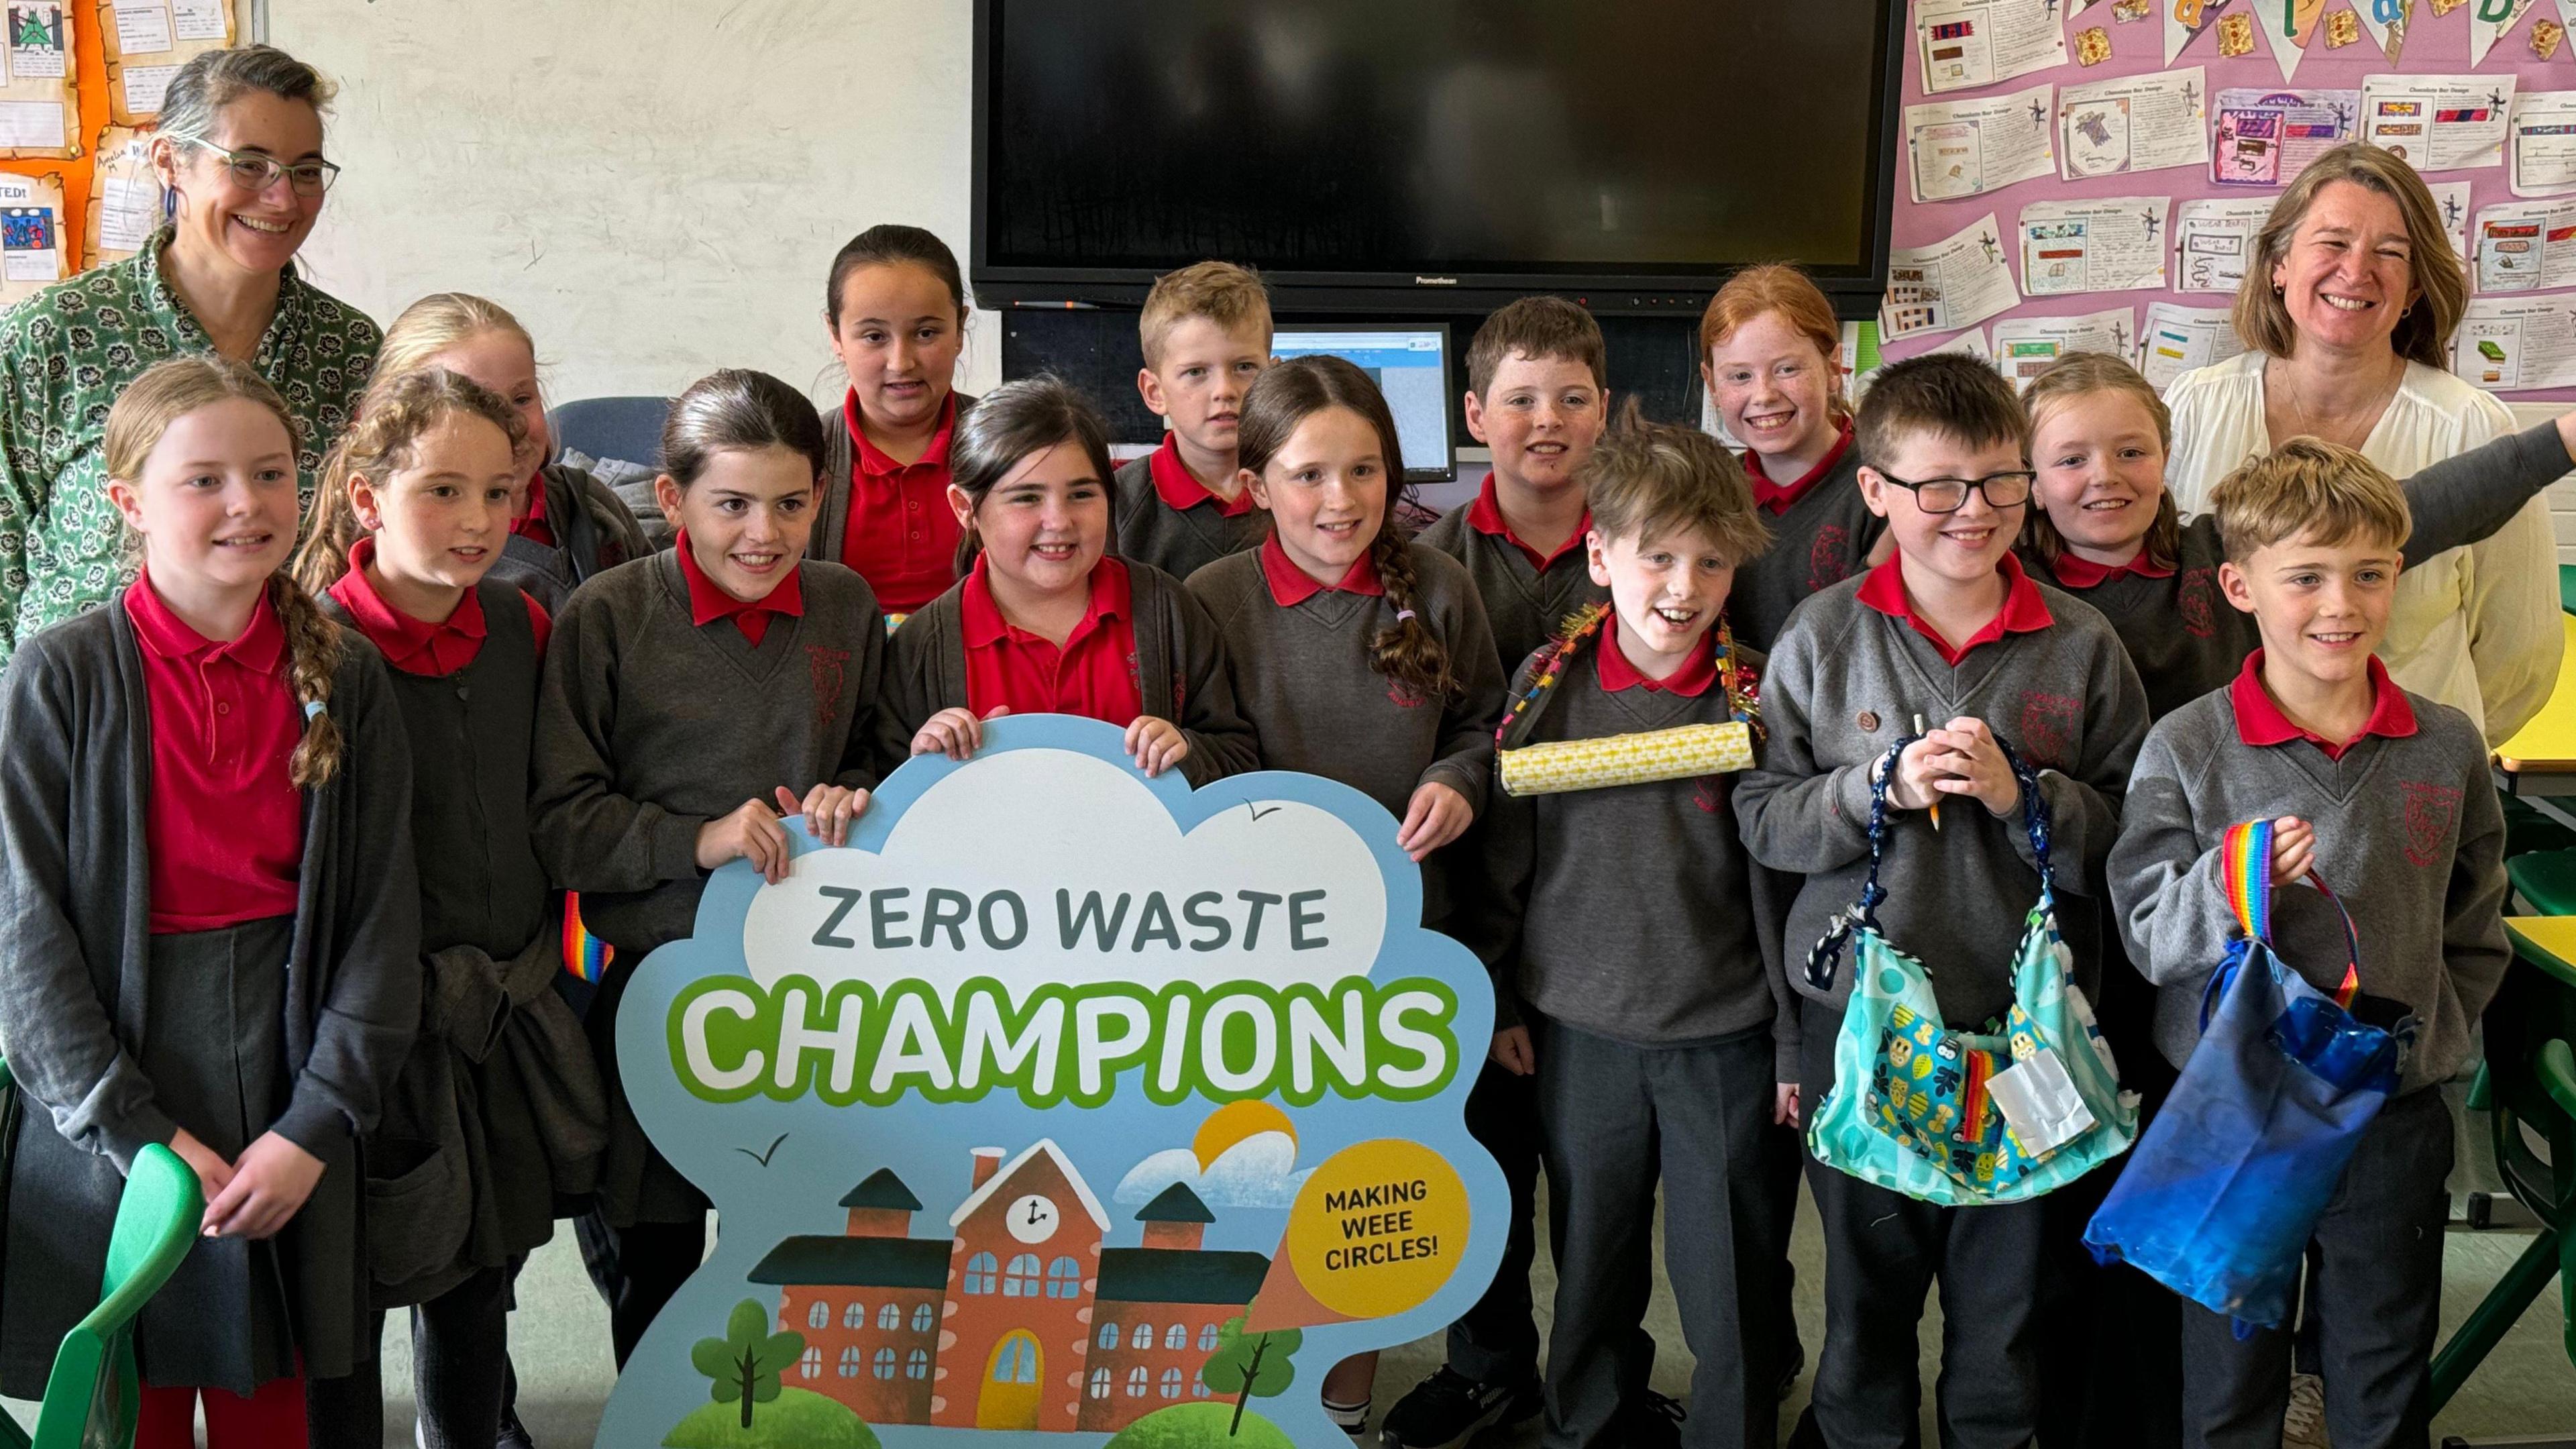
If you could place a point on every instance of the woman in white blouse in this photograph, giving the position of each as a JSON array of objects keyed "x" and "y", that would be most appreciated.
[{"x": 2347, "y": 308}]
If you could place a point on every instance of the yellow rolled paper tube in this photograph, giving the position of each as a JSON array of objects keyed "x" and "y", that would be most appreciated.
[{"x": 1638, "y": 759}]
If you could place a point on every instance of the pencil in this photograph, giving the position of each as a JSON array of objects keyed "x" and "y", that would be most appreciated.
[{"x": 1936, "y": 800}]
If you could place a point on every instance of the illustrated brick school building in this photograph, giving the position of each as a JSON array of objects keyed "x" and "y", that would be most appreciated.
[{"x": 1020, "y": 1318}]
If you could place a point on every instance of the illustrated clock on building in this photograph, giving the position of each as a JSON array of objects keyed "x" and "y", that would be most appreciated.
[{"x": 1034, "y": 1218}]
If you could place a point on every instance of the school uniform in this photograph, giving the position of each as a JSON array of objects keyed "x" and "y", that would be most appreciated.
[
  {"x": 1853, "y": 667},
  {"x": 1300, "y": 656},
  {"x": 1656, "y": 1060},
  {"x": 575, "y": 527},
  {"x": 2187, "y": 640},
  {"x": 667, "y": 704},
  {"x": 1821, "y": 534},
  {"x": 2409, "y": 834},
  {"x": 467, "y": 689},
  {"x": 163, "y": 870},
  {"x": 1160, "y": 515},
  {"x": 889, "y": 521},
  {"x": 1528, "y": 595},
  {"x": 1145, "y": 648}
]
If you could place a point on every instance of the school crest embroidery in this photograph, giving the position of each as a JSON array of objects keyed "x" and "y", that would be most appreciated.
[
  {"x": 1708, "y": 792},
  {"x": 1829, "y": 557},
  {"x": 830, "y": 669},
  {"x": 2050, "y": 726},
  {"x": 2192, "y": 597},
  {"x": 2431, "y": 810}
]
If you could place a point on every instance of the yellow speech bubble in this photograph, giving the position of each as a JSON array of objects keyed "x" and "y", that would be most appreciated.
[{"x": 1378, "y": 1228}]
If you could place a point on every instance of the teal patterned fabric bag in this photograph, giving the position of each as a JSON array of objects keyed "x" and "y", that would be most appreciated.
[{"x": 1961, "y": 1118}]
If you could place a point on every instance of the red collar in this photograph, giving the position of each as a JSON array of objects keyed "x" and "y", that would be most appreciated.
[
  {"x": 260, "y": 649},
  {"x": 708, "y": 603},
  {"x": 1289, "y": 585},
  {"x": 1173, "y": 481},
  {"x": 2075, "y": 572},
  {"x": 2259, "y": 721},
  {"x": 980, "y": 614},
  {"x": 874, "y": 461},
  {"x": 1691, "y": 680},
  {"x": 1778, "y": 498},
  {"x": 414, "y": 646},
  {"x": 1485, "y": 515},
  {"x": 533, "y": 524},
  {"x": 2023, "y": 611}
]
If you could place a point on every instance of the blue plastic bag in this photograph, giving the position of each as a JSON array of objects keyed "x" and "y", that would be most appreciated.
[{"x": 2222, "y": 1195}]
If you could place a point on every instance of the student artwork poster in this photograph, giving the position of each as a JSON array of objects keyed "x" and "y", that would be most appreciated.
[
  {"x": 2517, "y": 342},
  {"x": 1174, "y": 1088}
]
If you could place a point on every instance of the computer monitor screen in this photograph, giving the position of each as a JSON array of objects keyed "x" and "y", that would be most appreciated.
[{"x": 1411, "y": 366}]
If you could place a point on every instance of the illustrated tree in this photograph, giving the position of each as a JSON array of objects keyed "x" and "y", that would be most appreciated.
[
  {"x": 1246, "y": 1364},
  {"x": 744, "y": 1365}
]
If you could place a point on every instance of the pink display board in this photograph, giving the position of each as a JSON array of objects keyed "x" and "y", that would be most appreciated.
[{"x": 2434, "y": 45}]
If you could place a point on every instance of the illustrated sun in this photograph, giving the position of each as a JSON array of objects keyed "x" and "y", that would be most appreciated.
[{"x": 1232, "y": 1123}]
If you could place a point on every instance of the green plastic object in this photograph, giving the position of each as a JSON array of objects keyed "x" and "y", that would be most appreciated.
[
  {"x": 91, "y": 1397},
  {"x": 2547, "y": 879},
  {"x": 2567, "y": 587},
  {"x": 2529, "y": 1088}
]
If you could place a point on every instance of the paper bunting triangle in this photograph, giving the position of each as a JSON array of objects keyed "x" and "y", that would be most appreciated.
[
  {"x": 2385, "y": 23},
  {"x": 2289, "y": 26},
  {"x": 2485, "y": 32},
  {"x": 2186, "y": 21}
]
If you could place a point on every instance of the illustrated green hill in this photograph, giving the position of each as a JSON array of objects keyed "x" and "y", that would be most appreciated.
[
  {"x": 1199, "y": 1426},
  {"x": 796, "y": 1419}
]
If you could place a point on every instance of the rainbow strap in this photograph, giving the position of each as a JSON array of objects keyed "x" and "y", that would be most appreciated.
[
  {"x": 2245, "y": 865},
  {"x": 584, "y": 954}
]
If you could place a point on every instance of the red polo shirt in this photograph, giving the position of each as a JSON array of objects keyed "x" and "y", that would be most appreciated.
[
  {"x": 1485, "y": 515},
  {"x": 416, "y": 646},
  {"x": 1093, "y": 674},
  {"x": 1289, "y": 585},
  {"x": 1778, "y": 498},
  {"x": 2259, "y": 721},
  {"x": 2023, "y": 611},
  {"x": 2074, "y": 572},
  {"x": 224, "y": 828},
  {"x": 902, "y": 535},
  {"x": 1691, "y": 680},
  {"x": 708, "y": 602},
  {"x": 533, "y": 525},
  {"x": 1172, "y": 480}
]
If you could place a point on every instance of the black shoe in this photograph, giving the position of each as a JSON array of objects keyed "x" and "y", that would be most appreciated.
[
  {"x": 1789, "y": 1372},
  {"x": 1649, "y": 1421},
  {"x": 514, "y": 1435},
  {"x": 1449, "y": 1407}
]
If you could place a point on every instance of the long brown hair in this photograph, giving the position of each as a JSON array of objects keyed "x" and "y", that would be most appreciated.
[
  {"x": 168, "y": 391},
  {"x": 392, "y": 418},
  {"x": 1407, "y": 652},
  {"x": 2423, "y": 332},
  {"x": 1021, "y": 417},
  {"x": 2081, "y": 374}
]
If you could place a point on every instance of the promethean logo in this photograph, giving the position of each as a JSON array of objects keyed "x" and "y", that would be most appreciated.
[{"x": 1435, "y": 281}]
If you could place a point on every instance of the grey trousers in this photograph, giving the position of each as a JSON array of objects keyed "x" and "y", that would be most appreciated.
[
  {"x": 1883, "y": 1253},
  {"x": 1613, "y": 1119},
  {"x": 2374, "y": 1290}
]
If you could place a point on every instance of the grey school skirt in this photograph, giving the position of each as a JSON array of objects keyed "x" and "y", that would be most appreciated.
[{"x": 215, "y": 1055}]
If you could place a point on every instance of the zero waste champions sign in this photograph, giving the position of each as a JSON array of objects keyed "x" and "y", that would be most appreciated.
[{"x": 1061, "y": 1102}]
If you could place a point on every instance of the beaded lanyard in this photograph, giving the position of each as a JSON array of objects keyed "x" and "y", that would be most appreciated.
[{"x": 1743, "y": 698}]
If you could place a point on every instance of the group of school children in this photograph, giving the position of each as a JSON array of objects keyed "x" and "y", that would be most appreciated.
[{"x": 379, "y": 741}]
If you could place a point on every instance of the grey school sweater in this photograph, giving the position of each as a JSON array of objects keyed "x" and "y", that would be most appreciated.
[
  {"x": 1843, "y": 686},
  {"x": 1525, "y": 605},
  {"x": 2187, "y": 640},
  {"x": 2409, "y": 835},
  {"x": 1658, "y": 869},
  {"x": 648, "y": 727},
  {"x": 1303, "y": 678},
  {"x": 1179, "y": 541},
  {"x": 1822, "y": 539},
  {"x": 1179, "y": 665}
]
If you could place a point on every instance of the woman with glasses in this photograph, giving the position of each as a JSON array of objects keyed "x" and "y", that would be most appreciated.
[
  {"x": 2347, "y": 312},
  {"x": 239, "y": 156}
]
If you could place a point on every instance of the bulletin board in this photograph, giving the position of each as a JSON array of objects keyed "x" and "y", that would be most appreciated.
[
  {"x": 2075, "y": 169},
  {"x": 92, "y": 199}
]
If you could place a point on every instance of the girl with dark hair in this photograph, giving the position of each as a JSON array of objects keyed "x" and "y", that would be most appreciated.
[
  {"x": 1356, "y": 656},
  {"x": 1044, "y": 621},
  {"x": 896, "y": 307},
  {"x": 690, "y": 699}
]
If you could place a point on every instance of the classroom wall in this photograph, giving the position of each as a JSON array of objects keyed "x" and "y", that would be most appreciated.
[{"x": 656, "y": 187}]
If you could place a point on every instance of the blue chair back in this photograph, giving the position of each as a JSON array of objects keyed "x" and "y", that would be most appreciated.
[{"x": 628, "y": 429}]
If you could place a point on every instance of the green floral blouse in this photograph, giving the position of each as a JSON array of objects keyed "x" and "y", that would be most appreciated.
[{"x": 66, "y": 353}]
